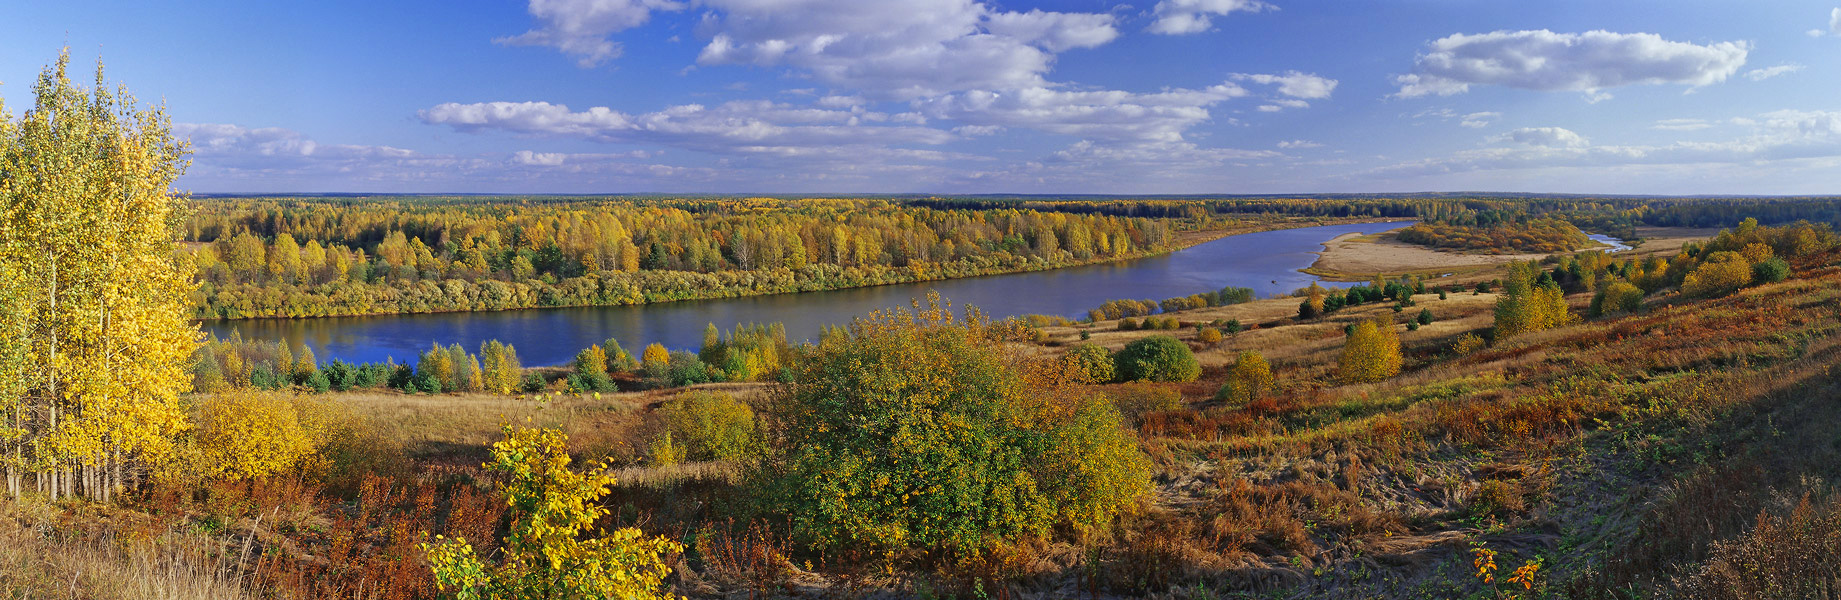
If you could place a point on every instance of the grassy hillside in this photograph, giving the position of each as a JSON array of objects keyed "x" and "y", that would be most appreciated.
[{"x": 1623, "y": 456}]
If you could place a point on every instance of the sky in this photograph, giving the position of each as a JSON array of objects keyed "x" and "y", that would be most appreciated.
[{"x": 970, "y": 96}]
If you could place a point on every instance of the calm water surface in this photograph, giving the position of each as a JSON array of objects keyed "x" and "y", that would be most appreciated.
[{"x": 1268, "y": 262}]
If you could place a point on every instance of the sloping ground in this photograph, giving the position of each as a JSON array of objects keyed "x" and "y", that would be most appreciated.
[{"x": 1611, "y": 454}]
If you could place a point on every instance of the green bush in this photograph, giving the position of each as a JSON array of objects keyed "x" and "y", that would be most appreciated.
[
  {"x": 1770, "y": 270},
  {"x": 916, "y": 432},
  {"x": 1157, "y": 358},
  {"x": 1128, "y": 324},
  {"x": 684, "y": 368},
  {"x": 711, "y": 425}
]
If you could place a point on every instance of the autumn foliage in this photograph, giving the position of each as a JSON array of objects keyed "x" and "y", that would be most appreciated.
[{"x": 915, "y": 431}]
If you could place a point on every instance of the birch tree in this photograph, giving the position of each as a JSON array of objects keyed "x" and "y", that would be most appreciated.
[{"x": 100, "y": 343}]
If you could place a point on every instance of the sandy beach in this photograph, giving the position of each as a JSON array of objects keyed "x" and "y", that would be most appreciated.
[{"x": 1358, "y": 254}]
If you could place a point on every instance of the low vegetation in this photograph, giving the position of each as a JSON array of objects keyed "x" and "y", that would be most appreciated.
[{"x": 1584, "y": 426}]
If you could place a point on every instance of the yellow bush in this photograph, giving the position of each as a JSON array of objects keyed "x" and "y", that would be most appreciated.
[
  {"x": 545, "y": 552},
  {"x": 243, "y": 434},
  {"x": 1721, "y": 274},
  {"x": 1372, "y": 353}
]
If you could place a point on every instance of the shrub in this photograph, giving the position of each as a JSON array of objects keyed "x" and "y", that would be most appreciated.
[
  {"x": 1248, "y": 381},
  {"x": 684, "y": 368},
  {"x": 1770, "y": 270},
  {"x": 1157, "y": 358},
  {"x": 1425, "y": 316},
  {"x": 1138, "y": 398},
  {"x": 1128, "y": 324},
  {"x": 864, "y": 461},
  {"x": 1372, "y": 353},
  {"x": 1088, "y": 363},
  {"x": 318, "y": 382},
  {"x": 1621, "y": 297},
  {"x": 1721, "y": 274},
  {"x": 546, "y": 554},
  {"x": 1085, "y": 335},
  {"x": 1208, "y": 335},
  {"x": 665, "y": 450},
  {"x": 1467, "y": 343},
  {"x": 241, "y": 435},
  {"x": 712, "y": 425}
]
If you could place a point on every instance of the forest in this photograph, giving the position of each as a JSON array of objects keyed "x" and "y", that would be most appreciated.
[
  {"x": 308, "y": 257},
  {"x": 1648, "y": 424}
]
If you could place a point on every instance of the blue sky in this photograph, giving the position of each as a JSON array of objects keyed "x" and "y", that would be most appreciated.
[{"x": 970, "y": 96}]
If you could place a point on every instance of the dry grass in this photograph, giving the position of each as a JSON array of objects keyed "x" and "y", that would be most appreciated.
[{"x": 39, "y": 559}]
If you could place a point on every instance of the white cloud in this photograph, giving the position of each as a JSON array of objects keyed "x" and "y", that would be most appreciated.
[
  {"x": 1834, "y": 22},
  {"x": 1054, "y": 31},
  {"x": 1681, "y": 125},
  {"x": 1478, "y": 120},
  {"x": 899, "y": 50},
  {"x": 1769, "y": 72},
  {"x": 753, "y": 126},
  {"x": 1182, "y": 17},
  {"x": 1584, "y": 62},
  {"x": 1293, "y": 83},
  {"x": 1299, "y": 144},
  {"x": 1549, "y": 137},
  {"x": 1778, "y": 136},
  {"x": 580, "y": 27},
  {"x": 1103, "y": 115}
]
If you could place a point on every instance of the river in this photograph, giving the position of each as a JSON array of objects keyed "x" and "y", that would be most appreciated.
[{"x": 1268, "y": 262}]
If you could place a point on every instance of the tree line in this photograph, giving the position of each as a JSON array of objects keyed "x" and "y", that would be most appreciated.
[{"x": 299, "y": 257}]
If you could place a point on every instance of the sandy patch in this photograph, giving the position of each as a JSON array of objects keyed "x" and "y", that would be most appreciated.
[{"x": 1355, "y": 253}]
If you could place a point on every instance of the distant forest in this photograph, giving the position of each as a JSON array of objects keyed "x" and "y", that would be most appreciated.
[{"x": 299, "y": 256}]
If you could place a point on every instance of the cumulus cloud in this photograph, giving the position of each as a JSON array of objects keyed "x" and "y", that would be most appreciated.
[
  {"x": 1769, "y": 72},
  {"x": 1293, "y": 83},
  {"x": 1299, "y": 144},
  {"x": 1581, "y": 62},
  {"x": 1550, "y": 137},
  {"x": 753, "y": 126},
  {"x": 1053, "y": 31},
  {"x": 1096, "y": 115},
  {"x": 581, "y": 28},
  {"x": 1834, "y": 25},
  {"x": 1182, "y": 17},
  {"x": 899, "y": 50}
]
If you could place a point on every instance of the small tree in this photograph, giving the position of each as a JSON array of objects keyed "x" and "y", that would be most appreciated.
[
  {"x": 1157, "y": 358},
  {"x": 1425, "y": 316},
  {"x": 656, "y": 354},
  {"x": 546, "y": 554},
  {"x": 1248, "y": 381},
  {"x": 1372, "y": 353}
]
